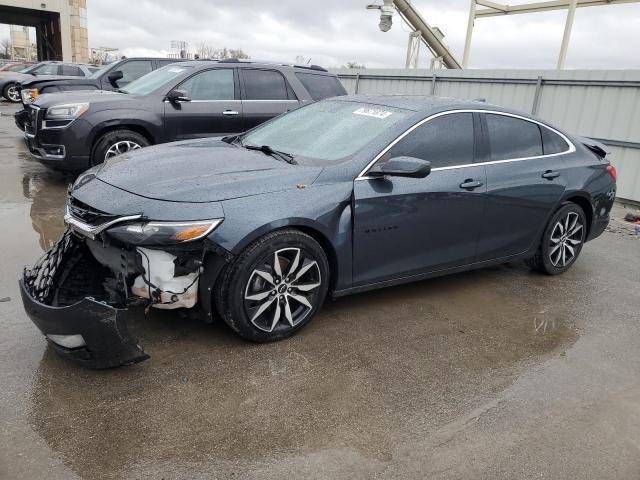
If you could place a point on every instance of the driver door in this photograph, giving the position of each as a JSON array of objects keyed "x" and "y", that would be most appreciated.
[
  {"x": 410, "y": 226},
  {"x": 215, "y": 108}
]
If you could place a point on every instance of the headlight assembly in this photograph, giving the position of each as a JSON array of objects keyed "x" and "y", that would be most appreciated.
[
  {"x": 163, "y": 233},
  {"x": 67, "y": 111},
  {"x": 29, "y": 95}
]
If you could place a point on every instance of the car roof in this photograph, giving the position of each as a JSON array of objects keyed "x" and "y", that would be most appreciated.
[
  {"x": 428, "y": 104},
  {"x": 258, "y": 63}
]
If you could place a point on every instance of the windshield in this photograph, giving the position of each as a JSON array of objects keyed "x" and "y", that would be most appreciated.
[
  {"x": 329, "y": 130},
  {"x": 44, "y": 69},
  {"x": 154, "y": 80},
  {"x": 101, "y": 70}
]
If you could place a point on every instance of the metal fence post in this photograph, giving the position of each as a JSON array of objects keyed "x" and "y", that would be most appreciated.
[
  {"x": 433, "y": 84},
  {"x": 357, "y": 82},
  {"x": 536, "y": 96}
]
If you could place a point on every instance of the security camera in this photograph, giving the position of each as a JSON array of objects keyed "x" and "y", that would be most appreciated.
[{"x": 386, "y": 14}]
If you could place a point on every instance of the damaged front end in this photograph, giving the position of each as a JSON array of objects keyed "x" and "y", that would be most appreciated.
[
  {"x": 80, "y": 292},
  {"x": 72, "y": 299}
]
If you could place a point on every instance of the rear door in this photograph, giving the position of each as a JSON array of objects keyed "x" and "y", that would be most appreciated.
[
  {"x": 215, "y": 108},
  {"x": 526, "y": 179},
  {"x": 410, "y": 226},
  {"x": 266, "y": 94}
]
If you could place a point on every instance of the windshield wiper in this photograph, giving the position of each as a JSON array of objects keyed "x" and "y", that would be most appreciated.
[{"x": 266, "y": 149}]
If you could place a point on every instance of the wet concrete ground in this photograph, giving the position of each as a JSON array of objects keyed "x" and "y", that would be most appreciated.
[{"x": 498, "y": 373}]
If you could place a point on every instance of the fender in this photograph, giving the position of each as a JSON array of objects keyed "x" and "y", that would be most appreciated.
[{"x": 108, "y": 119}]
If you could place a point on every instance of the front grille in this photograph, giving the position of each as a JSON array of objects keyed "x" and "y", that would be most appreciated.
[
  {"x": 88, "y": 214},
  {"x": 32, "y": 120}
]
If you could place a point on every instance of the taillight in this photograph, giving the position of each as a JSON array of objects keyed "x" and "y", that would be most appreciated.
[{"x": 611, "y": 170}]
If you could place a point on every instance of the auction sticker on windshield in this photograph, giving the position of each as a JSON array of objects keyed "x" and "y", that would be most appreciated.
[{"x": 372, "y": 112}]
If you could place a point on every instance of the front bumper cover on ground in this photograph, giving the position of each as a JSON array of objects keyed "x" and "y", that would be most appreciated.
[
  {"x": 63, "y": 295},
  {"x": 104, "y": 329}
]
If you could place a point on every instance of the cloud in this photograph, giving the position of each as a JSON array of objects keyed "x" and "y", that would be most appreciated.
[{"x": 333, "y": 32}]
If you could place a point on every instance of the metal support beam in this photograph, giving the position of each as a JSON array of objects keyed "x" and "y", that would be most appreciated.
[
  {"x": 467, "y": 41},
  {"x": 571, "y": 13},
  {"x": 497, "y": 10},
  {"x": 435, "y": 43}
]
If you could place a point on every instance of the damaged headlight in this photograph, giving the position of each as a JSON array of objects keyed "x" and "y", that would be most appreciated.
[
  {"x": 29, "y": 95},
  {"x": 163, "y": 233}
]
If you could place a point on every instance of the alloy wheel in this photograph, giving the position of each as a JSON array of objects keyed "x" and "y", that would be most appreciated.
[
  {"x": 282, "y": 291},
  {"x": 13, "y": 94},
  {"x": 120, "y": 147},
  {"x": 565, "y": 240}
]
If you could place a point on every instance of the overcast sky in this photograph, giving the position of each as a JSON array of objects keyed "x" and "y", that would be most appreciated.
[{"x": 333, "y": 32}]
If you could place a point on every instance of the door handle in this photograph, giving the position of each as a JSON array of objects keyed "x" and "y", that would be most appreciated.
[
  {"x": 550, "y": 174},
  {"x": 470, "y": 184},
  {"x": 230, "y": 112}
]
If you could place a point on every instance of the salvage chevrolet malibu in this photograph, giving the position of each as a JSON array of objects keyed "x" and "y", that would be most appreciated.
[{"x": 337, "y": 197}]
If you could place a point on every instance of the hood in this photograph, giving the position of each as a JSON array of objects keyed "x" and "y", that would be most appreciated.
[
  {"x": 93, "y": 97},
  {"x": 206, "y": 170}
]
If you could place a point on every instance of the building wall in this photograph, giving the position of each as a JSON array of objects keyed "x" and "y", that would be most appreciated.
[
  {"x": 73, "y": 24},
  {"x": 593, "y": 103}
]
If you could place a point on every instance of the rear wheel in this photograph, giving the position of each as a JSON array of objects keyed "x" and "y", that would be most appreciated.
[
  {"x": 11, "y": 93},
  {"x": 562, "y": 241},
  {"x": 274, "y": 287},
  {"x": 116, "y": 143}
]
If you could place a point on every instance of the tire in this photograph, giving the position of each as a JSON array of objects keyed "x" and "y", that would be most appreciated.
[
  {"x": 117, "y": 142},
  {"x": 11, "y": 93},
  {"x": 557, "y": 250},
  {"x": 260, "y": 308}
]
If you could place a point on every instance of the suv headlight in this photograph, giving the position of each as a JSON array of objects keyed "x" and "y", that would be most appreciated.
[
  {"x": 163, "y": 233},
  {"x": 68, "y": 111},
  {"x": 29, "y": 95}
]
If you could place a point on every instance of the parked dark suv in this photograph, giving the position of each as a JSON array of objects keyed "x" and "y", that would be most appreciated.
[
  {"x": 74, "y": 130},
  {"x": 113, "y": 76}
]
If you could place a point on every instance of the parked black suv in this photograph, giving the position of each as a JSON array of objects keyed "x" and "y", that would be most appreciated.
[
  {"x": 113, "y": 76},
  {"x": 74, "y": 130}
]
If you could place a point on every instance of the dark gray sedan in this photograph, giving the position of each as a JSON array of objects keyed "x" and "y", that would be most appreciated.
[{"x": 337, "y": 197}]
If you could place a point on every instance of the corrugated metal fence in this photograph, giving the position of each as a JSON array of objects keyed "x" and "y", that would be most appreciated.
[{"x": 599, "y": 104}]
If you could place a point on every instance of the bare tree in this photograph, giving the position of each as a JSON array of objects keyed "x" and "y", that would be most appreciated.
[
  {"x": 354, "y": 65},
  {"x": 205, "y": 50},
  {"x": 5, "y": 45}
]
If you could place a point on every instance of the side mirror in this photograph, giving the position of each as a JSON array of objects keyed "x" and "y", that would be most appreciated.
[
  {"x": 402, "y": 167},
  {"x": 177, "y": 96},
  {"x": 113, "y": 77}
]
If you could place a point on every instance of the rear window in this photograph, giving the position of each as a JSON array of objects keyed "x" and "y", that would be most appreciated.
[
  {"x": 321, "y": 86},
  {"x": 552, "y": 142}
]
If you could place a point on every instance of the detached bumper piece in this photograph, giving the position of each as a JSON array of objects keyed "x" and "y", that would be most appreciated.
[{"x": 65, "y": 295}]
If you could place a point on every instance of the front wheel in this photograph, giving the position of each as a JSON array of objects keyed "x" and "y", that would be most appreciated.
[
  {"x": 116, "y": 143},
  {"x": 275, "y": 287},
  {"x": 562, "y": 241},
  {"x": 11, "y": 93}
]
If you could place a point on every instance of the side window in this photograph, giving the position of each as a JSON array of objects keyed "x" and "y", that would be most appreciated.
[
  {"x": 511, "y": 137},
  {"x": 48, "y": 69},
  {"x": 133, "y": 70},
  {"x": 164, "y": 62},
  {"x": 552, "y": 142},
  {"x": 211, "y": 85},
  {"x": 266, "y": 85},
  {"x": 445, "y": 141},
  {"x": 321, "y": 86},
  {"x": 71, "y": 71}
]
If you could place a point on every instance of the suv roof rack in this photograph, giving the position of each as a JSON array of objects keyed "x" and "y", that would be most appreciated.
[{"x": 267, "y": 62}]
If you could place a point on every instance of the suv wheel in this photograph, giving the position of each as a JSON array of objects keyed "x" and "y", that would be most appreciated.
[
  {"x": 11, "y": 93},
  {"x": 561, "y": 242},
  {"x": 115, "y": 143},
  {"x": 274, "y": 287}
]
